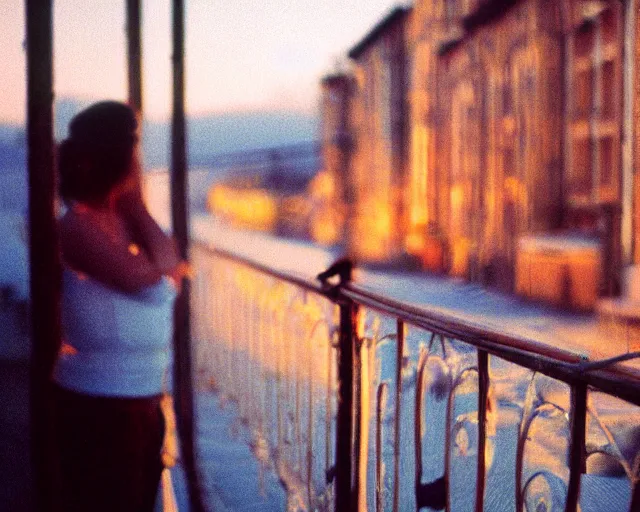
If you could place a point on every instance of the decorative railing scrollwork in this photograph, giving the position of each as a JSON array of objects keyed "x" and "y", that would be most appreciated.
[{"x": 363, "y": 403}]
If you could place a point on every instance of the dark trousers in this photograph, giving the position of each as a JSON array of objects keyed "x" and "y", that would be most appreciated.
[{"x": 109, "y": 452}]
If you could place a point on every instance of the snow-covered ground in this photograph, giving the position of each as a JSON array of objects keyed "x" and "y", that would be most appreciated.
[
  {"x": 585, "y": 335},
  {"x": 513, "y": 390}
]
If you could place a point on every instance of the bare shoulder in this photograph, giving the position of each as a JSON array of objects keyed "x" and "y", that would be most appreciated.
[
  {"x": 63, "y": 222},
  {"x": 68, "y": 223},
  {"x": 72, "y": 219},
  {"x": 75, "y": 227}
]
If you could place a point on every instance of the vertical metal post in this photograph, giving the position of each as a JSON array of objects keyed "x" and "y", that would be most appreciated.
[
  {"x": 577, "y": 456},
  {"x": 134, "y": 55},
  {"x": 483, "y": 395},
  {"x": 344, "y": 420},
  {"x": 134, "y": 68},
  {"x": 183, "y": 388},
  {"x": 44, "y": 261},
  {"x": 400, "y": 331}
]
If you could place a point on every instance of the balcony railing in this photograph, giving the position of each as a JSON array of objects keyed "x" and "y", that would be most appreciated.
[{"x": 365, "y": 403}]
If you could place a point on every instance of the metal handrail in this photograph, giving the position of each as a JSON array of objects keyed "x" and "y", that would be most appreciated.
[
  {"x": 311, "y": 285},
  {"x": 620, "y": 381}
]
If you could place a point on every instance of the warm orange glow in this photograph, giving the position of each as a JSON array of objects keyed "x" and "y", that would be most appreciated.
[
  {"x": 326, "y": 226},
  {"x": 418, "y": 194},
  {"x": 322, "y": 187},
  {"x": 515, "y": 190},
  {"x": 279, "y": 305},
  {"x": 456, "y": 198},
  {"x": 244, "y": 208},
  {"x": 327, "y": 219},
  {"x": 375, "y": 223},
  {"x": 460, "y": 251},
  {"x": 415, "y": 242}
]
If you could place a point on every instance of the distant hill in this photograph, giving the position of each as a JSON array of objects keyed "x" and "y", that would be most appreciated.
[
  {"x": 11, "y": 133},
  {"x": 12, "y": 148},
  {"x": 207, "y": 135},
  {"x": 229, "y": 133}
]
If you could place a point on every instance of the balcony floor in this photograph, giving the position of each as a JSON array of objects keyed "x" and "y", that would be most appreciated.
[{"x": 231, "y": 476}]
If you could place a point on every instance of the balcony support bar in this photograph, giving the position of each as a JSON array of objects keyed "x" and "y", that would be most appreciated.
[
  {"x": 344, "y": 492},
  {"x": 483, "y": 397},
  {"x": 134, "y": 55},
  {"x": 183, "y": 383},
  {"x": 44, "y": 261},
  {"x": 577, "y": 452}
]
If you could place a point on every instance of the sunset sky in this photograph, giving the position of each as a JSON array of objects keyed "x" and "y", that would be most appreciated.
[{"x": 242, "y": 55}]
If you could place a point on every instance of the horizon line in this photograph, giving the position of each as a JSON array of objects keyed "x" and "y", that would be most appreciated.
[{"x": 197, "y": 115}]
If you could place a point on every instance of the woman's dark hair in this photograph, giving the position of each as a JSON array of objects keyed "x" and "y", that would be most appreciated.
[{"x": 98, "y": 152}]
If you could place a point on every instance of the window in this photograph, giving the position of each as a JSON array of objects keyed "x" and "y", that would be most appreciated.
[{"x": 594, "y": 49}]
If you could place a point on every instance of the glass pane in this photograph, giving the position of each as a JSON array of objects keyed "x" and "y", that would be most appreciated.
[
  {"x": 546, "y": 445},
  {"x": 610, "y": 87},
  {"x": 583, "y": 93},
  {"x": 610, "y": 23},
  {"x": 415, "y": 340},
  {"x": 82, "y": 32},
  {"x": 507, "y": 392},
  {"x": 15, "y": 346},
  {"x": 608, "y": 162},
  {"x": 583, "y": 42},
  {"x": 439, "y": 401},
  {"x": 462, "y": 415},
  {"x": 527, "y": 440},
  {"x": 580, "y": 178}
]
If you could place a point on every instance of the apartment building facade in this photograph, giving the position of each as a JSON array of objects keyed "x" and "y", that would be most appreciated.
[{"x": 485, "y": 131}]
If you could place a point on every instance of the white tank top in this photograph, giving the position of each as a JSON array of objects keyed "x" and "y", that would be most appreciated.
[{"x": 116, "y": 344}]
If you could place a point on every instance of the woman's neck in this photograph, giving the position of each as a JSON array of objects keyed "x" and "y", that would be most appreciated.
[{"x": 99, "y": 205}]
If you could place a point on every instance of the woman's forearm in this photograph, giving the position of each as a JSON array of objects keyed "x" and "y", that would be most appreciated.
[
  {"x": 159, "y": 247},
  {"x": 86, "y": 248}
]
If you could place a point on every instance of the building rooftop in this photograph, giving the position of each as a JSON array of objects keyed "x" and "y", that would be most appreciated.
[
  {"x": 397, "y": 14},
  {"x": 335, "y": 78}
]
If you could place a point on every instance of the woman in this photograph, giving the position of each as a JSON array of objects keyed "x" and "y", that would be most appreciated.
[{"x": 118, "y": 288}]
